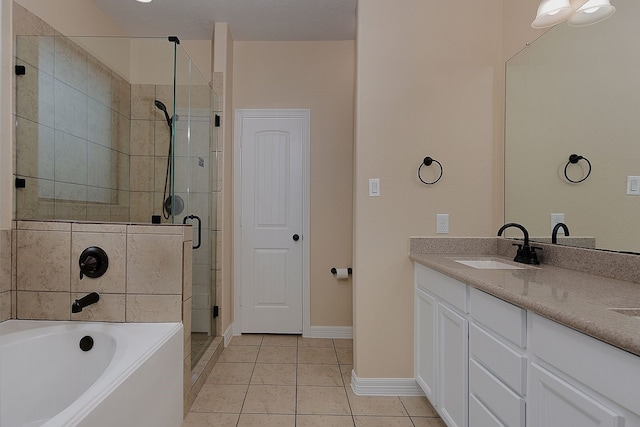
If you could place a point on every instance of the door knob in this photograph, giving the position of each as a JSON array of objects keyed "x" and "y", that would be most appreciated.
[{"x": 296, "y": 237}]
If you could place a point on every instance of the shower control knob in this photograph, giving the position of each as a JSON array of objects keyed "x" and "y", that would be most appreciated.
[{"x": 296, "y": 237}]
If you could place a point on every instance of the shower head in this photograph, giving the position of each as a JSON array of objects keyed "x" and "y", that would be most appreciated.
[{"x": 160, "y": 106}]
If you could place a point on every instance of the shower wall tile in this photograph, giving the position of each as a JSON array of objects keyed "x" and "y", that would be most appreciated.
[
  {"x": 5, "y": 305},
  {"x": 141, "y": 203},
  {"x": 99, "y": 123},
  {"x": 121, "y": 134},
  {"x": 143, "y": 173},
  {"x": 5, "y": 260},
  {"x": 123, "y": 183},
  {"x": 29, "y": 200},
  {"x": 99, "y": 81},
  {"x": 161, "y": 137},
  {"x": 37, "y": 51},
  {"x": 121, "y": 93},
  {"x": 43, "y": 261},
  {"x": 69, "y": 196},
  {"x": 34, "y": 158},
  {"x": 70, "y": 63},
  {"x": 102, "y": 168},
  {"x": 187, "y": 271},
  {"x": 186, "y": 316},
  {"x": 44, "y": 225},
  {"x": 70, "y": 110},
  {"x": 164, "y": 93},
  {"x": 160, "y": 167},
  {"x": 24, "y": 22},
  {"x": 43, "y": 305},
  {"x": 142, "y": 138},
  {"x": 35, "y": 96},
  {"x": 110, "y": 308},
  {"x": 115, "y": 245},
  {"x": 153, "y": 308},
  {"x": 70, "y": 210},
  {"x": 154, "y": 266},
  {"x": 88, "y": 227},
  {"x": 142, "y": 102},
  {"x": 70, "y": 159}
]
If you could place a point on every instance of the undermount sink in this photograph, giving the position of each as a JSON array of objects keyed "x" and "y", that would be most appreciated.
[
  {"x": 488, "y": 264},
  {"x": 631, "y": 312}
]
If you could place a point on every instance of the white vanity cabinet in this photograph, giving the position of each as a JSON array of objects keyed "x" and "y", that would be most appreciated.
[
  {"x": 576, "y": 380},
  {"x": 441, "y": 342},
  {"x": 497, "y": 362}
]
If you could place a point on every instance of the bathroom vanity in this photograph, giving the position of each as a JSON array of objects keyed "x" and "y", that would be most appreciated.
[{"x": 513, "y": 345}]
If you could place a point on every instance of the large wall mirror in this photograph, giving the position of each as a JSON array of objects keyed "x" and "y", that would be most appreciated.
[{"x": 576, "y": 90}]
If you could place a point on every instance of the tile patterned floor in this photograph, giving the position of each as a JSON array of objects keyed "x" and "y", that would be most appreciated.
[{"x": 287, "y": 380}]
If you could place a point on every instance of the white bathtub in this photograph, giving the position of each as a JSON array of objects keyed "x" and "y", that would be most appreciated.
[{"x": 131, "y": 377}]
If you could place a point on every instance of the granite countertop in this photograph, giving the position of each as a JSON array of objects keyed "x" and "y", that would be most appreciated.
[{"x": 579, "y": 300}]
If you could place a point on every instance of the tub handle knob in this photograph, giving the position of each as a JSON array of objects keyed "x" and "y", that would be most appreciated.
[{"x": 93, "y": 262}]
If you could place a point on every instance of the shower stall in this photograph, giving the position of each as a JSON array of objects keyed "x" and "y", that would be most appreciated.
[{"x": 113, "y": 129}]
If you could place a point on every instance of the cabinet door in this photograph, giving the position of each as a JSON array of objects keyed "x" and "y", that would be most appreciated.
[
  {"x": 452, "y": 362},
  {"x": 553, "y": 402},
  {"x": 425, "y": 354}
]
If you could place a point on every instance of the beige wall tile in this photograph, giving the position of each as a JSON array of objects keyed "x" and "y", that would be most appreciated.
[
  {"x": 142, "y": 138},
  {"x": 5, "y": 260},
  {"x": 153, "y": 308},
  {"x": 141, "y": 206},
  {"x": 5, "y": 305},
  {"x": 43, "y": 260},
  {"x": 187, "y": 271},
  {"x": 88, "y": 227},
  {"x": 143, "y": 173},
  {"x": 114, "y": 279},
  {"x": 186, "y": 321},
  {"x": 25, "y": 22},
  {"x": 156, "y": 229},
  {"x": 43, "y": 305},
  {"x": 154, "y": 264},
  {"x": 44, "y": 225},
  {"x": 110, "y": 308},
  {"x": 142, "y": 97}
]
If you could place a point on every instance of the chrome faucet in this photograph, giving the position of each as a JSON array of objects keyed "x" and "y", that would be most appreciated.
[
  {"x": 554, "y": 233},
  {"x": 85, "y": 301},
  {"x": 526, "y": 254}
]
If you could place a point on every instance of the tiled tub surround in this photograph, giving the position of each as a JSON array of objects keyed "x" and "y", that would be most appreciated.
[
  {"x": 148, "y": 279},
  {"x": 557, "y": 289},
  {"x": 6, "y": 285}
]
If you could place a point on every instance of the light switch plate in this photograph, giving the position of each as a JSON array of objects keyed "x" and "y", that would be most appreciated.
[
  {"x": 374, "y": 187},
  {"x": 633, "y": 185}
]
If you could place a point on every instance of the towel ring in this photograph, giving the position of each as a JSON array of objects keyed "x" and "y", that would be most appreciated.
[
  {"x": 573, "y": 159},
  {"x": 428, "y": 161}
]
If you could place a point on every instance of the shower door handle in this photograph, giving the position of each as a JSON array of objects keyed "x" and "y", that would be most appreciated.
[{"x": 197, "y": 218}]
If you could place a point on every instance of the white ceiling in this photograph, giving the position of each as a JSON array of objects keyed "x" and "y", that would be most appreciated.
[{"x": 267, "y": 20}]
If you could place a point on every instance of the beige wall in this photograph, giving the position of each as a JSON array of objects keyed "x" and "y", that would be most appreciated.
[
  {"x": 318, "y": 76},
  {"x": 426, "y": 86}
]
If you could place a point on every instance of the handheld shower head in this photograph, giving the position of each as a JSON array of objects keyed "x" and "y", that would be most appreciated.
[{"x": 160, "y": 106}]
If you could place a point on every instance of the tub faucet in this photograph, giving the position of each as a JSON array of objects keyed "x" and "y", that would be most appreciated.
[
  {"x": 85, "y": 301},
  {"x": 526, "y": 254},
  {"x": 554, "y": 233}
]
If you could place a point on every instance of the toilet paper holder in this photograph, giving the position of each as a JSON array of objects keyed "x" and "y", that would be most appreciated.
[{"x": 335, "y": 270}]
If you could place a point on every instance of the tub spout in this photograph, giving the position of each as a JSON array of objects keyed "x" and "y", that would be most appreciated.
[{"x": 85, "y": 301}]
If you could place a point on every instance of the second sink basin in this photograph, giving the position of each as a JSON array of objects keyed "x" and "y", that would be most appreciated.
[{"x": 488, "y": 264}]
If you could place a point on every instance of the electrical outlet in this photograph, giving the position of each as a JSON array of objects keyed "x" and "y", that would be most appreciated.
[
  {"x": 555, "y": 219},
  {"x": 442, "y": 223}
]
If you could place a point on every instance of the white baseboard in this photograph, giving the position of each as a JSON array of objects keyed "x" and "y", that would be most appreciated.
[
  {"x": 228, "y": 334},
  {"x": 345, "y": 332},
  {"x": 385, "y": 386}
]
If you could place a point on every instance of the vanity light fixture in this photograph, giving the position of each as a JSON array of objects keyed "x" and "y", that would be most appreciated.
[
  {"x": 553, "y": 12},
  {"x": 591, "y": 12},
  {"x": 144, "y": 1}
]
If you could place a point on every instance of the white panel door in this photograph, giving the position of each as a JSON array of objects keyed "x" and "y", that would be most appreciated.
[{"x": 271, "y": 224}]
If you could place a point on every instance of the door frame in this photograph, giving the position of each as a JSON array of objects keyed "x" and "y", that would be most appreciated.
[{"x": 240, "y": 115}]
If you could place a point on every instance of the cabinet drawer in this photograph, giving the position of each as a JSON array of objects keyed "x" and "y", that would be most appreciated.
[
  {"x": 503, "y": 361},
  {"x": 479, "y": 415},
  {"x": 442, "y": 286},
  {"x": 502, "y": 317},
  {"x": 495, "y": 396}
]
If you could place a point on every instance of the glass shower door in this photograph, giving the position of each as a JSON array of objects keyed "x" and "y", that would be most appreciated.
[{"x": 193, "y": 174}]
